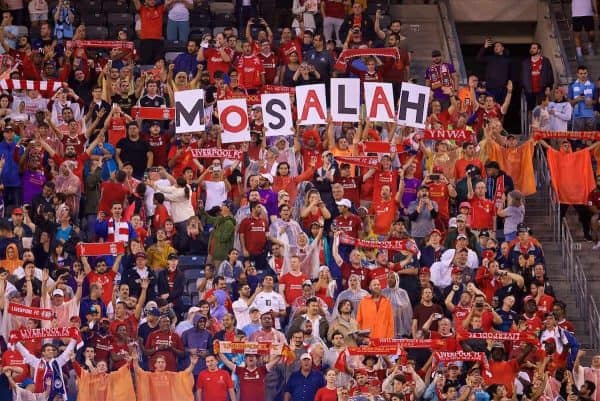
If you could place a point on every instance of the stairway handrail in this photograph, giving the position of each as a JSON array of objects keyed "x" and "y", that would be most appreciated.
[{"x": 451, "y": 39}]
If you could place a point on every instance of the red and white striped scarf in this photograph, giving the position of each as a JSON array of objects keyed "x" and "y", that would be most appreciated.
[
  {"x": 122, "y": 229},
  {"x": 9, "y": 84}
]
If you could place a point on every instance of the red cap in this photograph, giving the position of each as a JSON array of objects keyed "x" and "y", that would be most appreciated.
[
  {"x": 488, "y": 254},
  {"x": 17, "y": 210},
  {"x": 456, "y": 270},
  {"x": 360, "y": 372},
  {"x": 438, "y": 170},
  {"x": 436, "y": 231},
  {"x": 550, "y": 340},
  {"x": 424, "y": 270}
]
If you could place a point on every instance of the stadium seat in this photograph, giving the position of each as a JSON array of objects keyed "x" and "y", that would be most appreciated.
[
  {"x": 219, "y": 29},
  {"x": 385, "y": 21},
  {"x": 175, "y": 46},
  {"x": 171, "y": 56},
  {"x": 22, "y": 31},
  {"x": 114, "y": 7},
  {"x": 190, "y": 287},
  {"x": 224, "y": 20},
  {"x": 96, "y": 32},
  {"x": 90, "y": 6},
  {"x": 186, "y": 300},
  {"x": 121, "y": 19},
  {"x": 191, "y": 262},
  {"x": 201, "y": 20},
  {"x": 94, "y": 18},
  {"x": 222, "y": 7}
]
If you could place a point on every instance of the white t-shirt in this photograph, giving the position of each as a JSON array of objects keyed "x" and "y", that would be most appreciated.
[
  {"x": 179, "y": 12},
  {"x": 582, "y": 8},
  {"x": 270, "y": 301}
]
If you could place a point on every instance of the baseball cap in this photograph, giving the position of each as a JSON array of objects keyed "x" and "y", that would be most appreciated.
[
  {"x": 153, "y": 312},
  {"x": 92, "y": 310},
  {"x": 461, "y": 217},
  {"x": 306, "y": 355},
  {"x": 268, "y": 177},
  {"x": 436, "y": 231},
  {"x": 550, "y": 340},
  {"x": 254, "y": 309},
  {"x": 488, "y": 254},
  {"x": 522, "y": 228},
  {"x": 17, "y": 210},
  {"x": 438, "y": 170},
  {"x": 465, "y": 204},
  {"x": 171, "y": 256},
  {"x": 484, "y": 233},
  {"x": 436, "y": 53},
  {"x": 461, "y": 236},
  {"x": 452, "y": 222},
  {"x": 456, "y": 270},
  {"x": 307, "y": 282},
  {"x": 424, "y": 271},
  {"x": 140, "y": 255},
  {"x": 155, "y": 122},
  {"x": 26, "y": 382},
  {"x": 344, "y": 202},
  {"x": 58, "y": 292},
  {"x": 498, "y": 344}
]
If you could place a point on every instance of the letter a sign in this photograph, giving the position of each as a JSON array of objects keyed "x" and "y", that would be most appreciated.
[
  {"x": 189, "y": 111},
  {"x": 413, "y": 105}
]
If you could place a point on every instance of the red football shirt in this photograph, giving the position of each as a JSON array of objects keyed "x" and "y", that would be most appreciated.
[
  {"x": 250, "y": 70},
  {"x": 293, "y": 286},
  {"x": 214, "y": 385},
  {"x": 255, "y": 234},
  {"x": 252, "y": 383},
  {"x": 351, "y": 225},
  {"x": 214, "y": 61},
  {"x": 482, "y": 214},
  {"x": 106, "y": 282},
  {"x": 14, "y": 358},
  {"x": 381, "y": 178},
  {"x": 269, "y": 63},
  {"x": 169, "y": 338}
]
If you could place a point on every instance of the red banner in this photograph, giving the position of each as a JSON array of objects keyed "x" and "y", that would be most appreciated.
[
  {"x": 458, "y": 135},
  {"x": 21, "y": 84},
  {"x": 153, "y": 113},
  {"x": 216, "y": 153},
  {"x": 349, "y": 54},
  {"x": 100, "y": 248},
  {"x": 396, "y": 245},
  {"x": 583, "y": 135},
  {"x": 100, "y": 44},
  {"x": 251, "y": 100},
  {"x": 447, "y": 357},
  {"x": 30, "y": 311},
  {"x": 361, "y": 161},
  {"x": 378, "y": 147},
  {"x": 40, "y": 334},
  {"x": 410, "y": 343},
  {"x": 501, "y": 336}
]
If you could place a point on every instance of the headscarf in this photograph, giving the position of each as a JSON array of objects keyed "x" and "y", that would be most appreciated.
[
  {"x": 70, "y": 183},
  {"x": 219, "y": 310}
]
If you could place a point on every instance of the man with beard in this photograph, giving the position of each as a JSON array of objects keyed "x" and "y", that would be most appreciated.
[
  {"x": 180, "y": 156},
  {"x": 134, "y": 150},
  {"x": 267, "y": 332},
  {"x": 375, "y": 313},
  {"x": 186, "y": 61},
  {"x": 71, "y": 154},
  {"x": 102, "y": 276},
  {"x": 440, "y": 75},
  {"x": 536, "y": 75},
  {"x": 165, "y": 343},
  {"x": 130, "y": 320}
]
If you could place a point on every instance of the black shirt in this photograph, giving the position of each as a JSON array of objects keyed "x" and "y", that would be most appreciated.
[{"x": 135, "y": 153}]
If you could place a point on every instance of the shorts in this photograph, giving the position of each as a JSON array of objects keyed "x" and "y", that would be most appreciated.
[
  {"x": 38, "y": 16},
  {"x": 580, "y": 23}
]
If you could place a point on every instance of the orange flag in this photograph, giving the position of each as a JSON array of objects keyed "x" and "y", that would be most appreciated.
[
  {"x": 517, "y": 163},
  {"x": 114, "y": 386},
  {"x": 164, "y": 386},
  {"x": 572, "y": 175}
]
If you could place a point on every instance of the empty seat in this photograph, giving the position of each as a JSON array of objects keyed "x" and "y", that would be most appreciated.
[
  {"x": 219, "y": 29},
  {"x": 95, "y": 18},
  {"x": 191, "y": 261},
  {"x": 186, "y": 300},
  {"x": 122, "y": 19},
  {"x": 373, "y": 6},
  {"x": 222, "y": 7},
  {"x": 191, "y": 288},
  {"x": 114, "y": 7},
  {"x": 224, "y": 20},
  {"x": 171, "y": 56},
  {"x": 385, "y": 21},
  {"x": 193, "y": 274},
  {"x": 175, "y": 45},
  {"x": 201, "y": 20},
  {"x": 89, "y": 6},
  {"x": 96, "y": 32}
]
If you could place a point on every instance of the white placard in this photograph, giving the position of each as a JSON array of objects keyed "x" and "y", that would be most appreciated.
[
  {"x": 189, "y": 111},
  {"x": 413, "y": 105},
  {"x": 312, "y": 104},
  {"x": 345, "y": 99},
  {"x": 277, "y": 114},
  {"x": 379, "y": 101},
  {"x": 233, "y": 114}
]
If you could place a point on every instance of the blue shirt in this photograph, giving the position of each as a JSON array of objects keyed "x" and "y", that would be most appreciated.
[
  {"x": 304, "y": 388},
  {"x": 586, "y": 89}
]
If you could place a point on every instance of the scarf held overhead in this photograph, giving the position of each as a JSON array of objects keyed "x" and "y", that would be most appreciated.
[
  {"x": 572, "y": 175},
  {"x": 153, "y": 113},
  {"x": 258, "y": 348},
  {"x": 216, "y": 153},
  {"x": 458, "y": 135},
  {"x": 30, "y": 311},
  {"x": 396, "y": 245},
  {"x": 349, "y": 54},
  {"x": 517, "y": 163},
  {"x": 100, "y": 248},
  {"x": 361, "y": 161},
  {"x": 40, "y": 334},
  {"x": 581, "y": 135},
  {"x": 100, "y": 44},
  {"x": 21, "y": 84}
]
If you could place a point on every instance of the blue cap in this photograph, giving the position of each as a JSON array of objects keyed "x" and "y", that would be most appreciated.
[
  {"x": 26, "y": 382},
  {"x": 154, "y": 312}
]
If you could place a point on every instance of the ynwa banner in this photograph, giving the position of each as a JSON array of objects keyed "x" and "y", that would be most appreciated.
[
  {"x": 100, "y": 44},
  {"x": 19, "y": 84},
  {"x": 410, "y": 343},
  {"x": 583, "y": 135},
  {"x": 153, "y": 113},
  {"x": 458, "y": 135},
  {"x": 40, "y": 334},
  {"x": 396, "y": 245},
  {"x": 100, "y": 248},
  {"x": 30, "y": 312},
  {"x": 216, "y": 153}
]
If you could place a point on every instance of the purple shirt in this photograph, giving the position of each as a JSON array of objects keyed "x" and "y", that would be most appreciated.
[
  {"x": 411, "y": 185},
  {"x": 33, "y": 181},
  {"x": 268, "y": 199},
  {"x": 440, "y": 74}
]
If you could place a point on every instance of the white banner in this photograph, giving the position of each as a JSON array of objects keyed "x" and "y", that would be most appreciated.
[
  {"x": 312, "y": 104},
  {"x": 345, "y": 99},
  {"x": 189, "y": 111},
  {"x": 379, "y": 101},
  {"x": 233, "y": 114},
  {"x": 277, "y": 114},
  {"x": 413, "y": 105}
]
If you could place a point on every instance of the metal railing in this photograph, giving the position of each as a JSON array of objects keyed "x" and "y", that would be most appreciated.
[
  {"x": 524, "y": 116},
  {"x": 570, "y": 262},
  {"x": 565, "y": 54},
  {"x": 451, "y": 38}
]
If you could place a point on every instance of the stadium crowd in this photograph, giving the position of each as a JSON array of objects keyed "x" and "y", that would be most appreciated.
[{"x": 341, "y": 261}]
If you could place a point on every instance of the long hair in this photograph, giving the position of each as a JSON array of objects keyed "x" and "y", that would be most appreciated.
[{"x": 183, "y": 184}]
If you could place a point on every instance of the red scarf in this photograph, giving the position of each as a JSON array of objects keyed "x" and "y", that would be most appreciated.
[
  {"x": 396, "y": 245},
  {"x": 30, "y": 311}
]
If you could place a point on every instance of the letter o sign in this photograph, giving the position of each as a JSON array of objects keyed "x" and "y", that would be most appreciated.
[{"x": 234, "y": 119}]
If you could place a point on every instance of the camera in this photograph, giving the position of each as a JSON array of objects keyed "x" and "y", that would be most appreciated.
[{"x": 434, "y": 177}]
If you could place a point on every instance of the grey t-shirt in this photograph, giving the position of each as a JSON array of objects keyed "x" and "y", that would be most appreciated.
[{"x": 514, "y": 216}]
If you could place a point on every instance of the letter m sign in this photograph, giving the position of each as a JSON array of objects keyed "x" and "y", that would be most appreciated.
[{"x": 189, "y": 111}]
